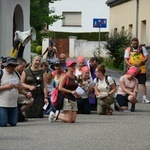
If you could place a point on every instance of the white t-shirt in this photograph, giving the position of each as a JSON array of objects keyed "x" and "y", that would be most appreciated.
[
  {"x": 102, "y": 86},
  {"x": 8, "y": 98}
]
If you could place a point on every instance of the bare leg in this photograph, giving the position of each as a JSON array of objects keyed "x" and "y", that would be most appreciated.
[
  {"x": 144, "y": 89},
  {"x": 66, "y": 117},
  {"x": 26, "y": 106}
]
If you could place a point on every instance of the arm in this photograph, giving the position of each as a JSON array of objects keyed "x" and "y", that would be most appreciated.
[
  {"x": 127, "y": 62},
  {"x": 113, "y": 89},
  {"x": 45, "y": 88},
  {"x": 97, "y": 92},
  {"x": 6, "y": 87}
]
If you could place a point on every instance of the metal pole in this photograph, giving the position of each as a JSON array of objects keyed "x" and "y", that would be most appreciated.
[
  {"x": 137, "y": 17},
  {"x": 99, "y": 39}
]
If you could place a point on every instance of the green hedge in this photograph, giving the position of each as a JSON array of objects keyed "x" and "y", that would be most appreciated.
[{"x": 90, "y": 36}]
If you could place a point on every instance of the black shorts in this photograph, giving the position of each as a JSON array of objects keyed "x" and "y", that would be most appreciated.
[
  {"x": 141, "y": 78},
  {"x": 122, "y": 100}
]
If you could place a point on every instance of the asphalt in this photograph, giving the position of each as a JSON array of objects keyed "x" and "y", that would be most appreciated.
[{"x": 121, "y": 131}]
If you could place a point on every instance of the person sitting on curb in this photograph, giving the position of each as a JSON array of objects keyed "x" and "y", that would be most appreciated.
[
  {"x": 128, "y": 89},
  {"x": 105, "y": 91}
]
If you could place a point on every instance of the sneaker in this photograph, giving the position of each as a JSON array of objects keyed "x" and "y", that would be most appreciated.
[
  {"x": 51, "y": 116},
  {"x": 56, "y": 115},
  {"x": 133, "y": 108},
  {"x": 145, "y": 101}
]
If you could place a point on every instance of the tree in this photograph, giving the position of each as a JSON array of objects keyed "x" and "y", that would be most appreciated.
[
  {"x": 116, "y": 44},
  {"x": 41, "y": 15}
]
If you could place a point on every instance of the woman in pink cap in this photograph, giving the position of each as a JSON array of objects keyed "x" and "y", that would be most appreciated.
[
  {"x": 68, "y": 86},
  {"x": 80, "y": 64},
  {"x": 128, "y": 89},
  {"x": 83, "y": 101}
]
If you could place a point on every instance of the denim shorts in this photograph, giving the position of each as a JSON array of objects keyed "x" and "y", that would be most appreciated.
[{"x": 69, "y": 105}]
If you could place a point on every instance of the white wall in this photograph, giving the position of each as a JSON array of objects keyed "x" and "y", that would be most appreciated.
[
  {"x": 80, "y": 47},
  {"x": 90, "y": 9},
  {"x": 7, "y": 8}
]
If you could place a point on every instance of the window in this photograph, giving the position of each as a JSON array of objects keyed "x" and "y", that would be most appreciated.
[
  {"x": 52, "y": 10},
  {"x": 122, "y": 28},
  {"x": 72, "y": 19},
  {"x": 115, "y": 29},
  {"x": 143, "y": 31},
  {"x": 130, "y": 28}
]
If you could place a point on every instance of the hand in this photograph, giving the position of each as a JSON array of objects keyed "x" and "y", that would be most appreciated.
[
  {"x": 46, "y": 101},
  {"x": 76, "y": 94},
  {"x": 134, "y": 95},
  {"x": 17, "y": 86},
  {"x": 28, "y": 94},
  {"x": 31, "y": 88},
  {"x": 10, "y": 86}
]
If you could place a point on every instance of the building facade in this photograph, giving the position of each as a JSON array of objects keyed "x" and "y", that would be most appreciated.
[
  {"x": 79, "y": 15},
  {"x": 131, "y": 16},
  {"x": 14, "y": 15}
]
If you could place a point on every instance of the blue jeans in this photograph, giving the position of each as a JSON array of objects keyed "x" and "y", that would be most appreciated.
[
  {"x": 8, "y": 115},
  {"x": 52, "y": 108}
]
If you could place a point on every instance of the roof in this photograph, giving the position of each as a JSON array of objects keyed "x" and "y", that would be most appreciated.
[{"x": 115, "y": 2}]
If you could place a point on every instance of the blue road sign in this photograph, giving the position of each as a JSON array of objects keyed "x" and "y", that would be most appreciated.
[{"x": 99, "y": 23}]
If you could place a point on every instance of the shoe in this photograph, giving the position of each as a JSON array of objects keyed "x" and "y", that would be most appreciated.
[
  {"x": 145, "y": 101},
  {"x": 51, "y": 116},
  {"x": 116, "y": 106},
  {"x": 56, "y": 114},
  {"x": 133, "y": 108}
]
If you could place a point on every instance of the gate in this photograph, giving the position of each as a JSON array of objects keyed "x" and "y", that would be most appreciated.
[{"x": 62, "y": 46}]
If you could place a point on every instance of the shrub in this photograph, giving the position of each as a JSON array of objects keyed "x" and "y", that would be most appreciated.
[
  {"x": 116, "y": 44},
  {"x": 39, "y": 49},
  {"x": 33, "y": 47}
]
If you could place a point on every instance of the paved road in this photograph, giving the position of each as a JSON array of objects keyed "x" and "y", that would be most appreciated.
[{"x": 121, "y": 131}]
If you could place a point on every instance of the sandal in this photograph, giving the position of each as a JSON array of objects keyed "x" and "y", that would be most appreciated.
[{"x": 110, "y": 111}]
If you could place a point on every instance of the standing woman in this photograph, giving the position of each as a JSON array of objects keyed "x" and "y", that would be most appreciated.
[
  {"x": 34, "y": 79},
  {"x": 105, "y": 92},
  {"x": 68, "y": 85}
]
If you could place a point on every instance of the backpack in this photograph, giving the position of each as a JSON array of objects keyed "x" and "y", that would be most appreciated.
[
  {"x": 57, "y": 97},
  {"x": 140, "y": 47},
  {"x": 106, "y": 80}
]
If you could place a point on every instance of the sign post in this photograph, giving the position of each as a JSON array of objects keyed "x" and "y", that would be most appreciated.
[{"x": 99, "y": 23}]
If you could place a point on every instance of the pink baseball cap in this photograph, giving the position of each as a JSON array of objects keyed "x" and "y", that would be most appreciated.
[{"x": 70, "y": 62}]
